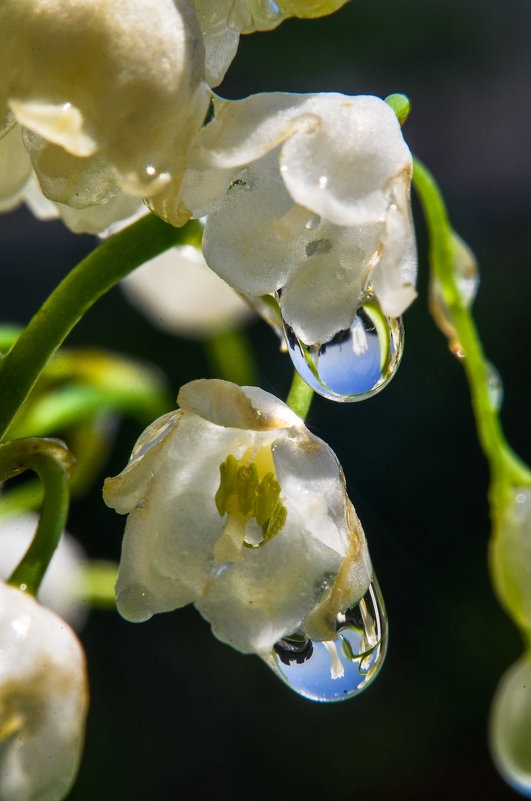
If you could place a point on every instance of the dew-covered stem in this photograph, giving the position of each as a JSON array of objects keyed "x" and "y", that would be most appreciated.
[
  {"x": 67, "y": 304},
  {"x": 506, "y": 467}
]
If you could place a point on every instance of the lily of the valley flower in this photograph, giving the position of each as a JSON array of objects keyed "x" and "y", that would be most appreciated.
[
  {"x": 307, "y": 196},
  {"x": 109, "y": 94},
  {"x": 43, "y": 700},
  {"x": 179, "y": 293},
  {"x": 236, "y": 507}
]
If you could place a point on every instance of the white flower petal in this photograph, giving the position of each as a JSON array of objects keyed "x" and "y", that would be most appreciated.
[
  {"x": 241, "y": 242},
  {"x": 60, "y": 123},
  {"x": 341, "y": 168},
  {"x": 67, "y": 179},
  {"x": 100, "y": 219},
  {"x": 15, "y": 169}
]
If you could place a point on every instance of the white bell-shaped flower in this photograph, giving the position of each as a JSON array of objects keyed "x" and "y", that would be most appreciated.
[
  {"x": 43, "y": 700},
  {"x": 109, "y": 94},
  {"x": 236, "y": 507},
  {"x": 179, "y": 293},
  {"x": 307, "y": 196}
]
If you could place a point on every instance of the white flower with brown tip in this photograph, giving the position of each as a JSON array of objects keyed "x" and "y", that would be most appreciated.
[{"x": 236, "y": 507}]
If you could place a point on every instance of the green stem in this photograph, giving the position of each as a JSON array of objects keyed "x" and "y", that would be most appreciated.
[
  {"x": 299, "y": 396},
  {"x": 231, "y": 358},
  {"x": 97, "y": 584},
  {"x": 53, "y": 462},
  {"x": 505, "y": 465},
  {"x": 87, "y": 282}
]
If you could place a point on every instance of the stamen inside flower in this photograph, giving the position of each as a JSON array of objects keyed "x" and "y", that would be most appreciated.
[{"x": 248, "y": 490}]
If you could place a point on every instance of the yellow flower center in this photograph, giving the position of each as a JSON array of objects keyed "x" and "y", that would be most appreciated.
[{"x": 248, "y": 490}]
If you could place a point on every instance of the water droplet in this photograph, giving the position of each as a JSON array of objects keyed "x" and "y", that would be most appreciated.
[
  {"x": 135, "y": 603},
  {"x": 495, "y": 387},
  {"x": 356, "y": 363},
  {"x": 313, "y": 223},
  {"x": 340, "y": 669},
  {"x": 242, "y": 183}
]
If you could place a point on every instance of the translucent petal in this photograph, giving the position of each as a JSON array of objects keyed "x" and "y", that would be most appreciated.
[
  {"x": 341, "y": 168},
  {"x": 77, "y": 182},
  {"x": 241, "y": 242},
  {"x": 229, "y": 405},
  {"x": 220, "y": 41},
  {"x": 255, "y": 602},
  {"x": 331, "y": 282},
  {"x": 100, "y": 219},
  {"x": 394, "y": 276},
  {"x": 15, "y": 168}
]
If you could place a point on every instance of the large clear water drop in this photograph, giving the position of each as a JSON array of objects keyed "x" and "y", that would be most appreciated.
[
  {"x": 339, "y": 669},
  {"x": 357, "y": 362}
]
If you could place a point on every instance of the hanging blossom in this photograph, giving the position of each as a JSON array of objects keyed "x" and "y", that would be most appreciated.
[
  {"x": 236, "y": 507},
  {"x": 222, "y": 21},
  {"x": 307, "y": 197},
  {"x": 104, "y": 102},
  {"x": 179, "y": 293},
  {"x": 43, "y": 700}
]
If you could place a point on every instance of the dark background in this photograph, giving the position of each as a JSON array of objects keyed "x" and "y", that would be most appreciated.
[{"x": 175, "y": 713}]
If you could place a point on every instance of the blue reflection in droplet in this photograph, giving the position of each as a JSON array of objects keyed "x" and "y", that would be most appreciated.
[
  {"x": 341, "y": 669},
  {"x": 357, "y": 362}
]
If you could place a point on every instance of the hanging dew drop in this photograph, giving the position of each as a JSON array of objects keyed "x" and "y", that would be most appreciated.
[
  {"x": 357, "y": 362},
  {"x": 342, "y": 668}
]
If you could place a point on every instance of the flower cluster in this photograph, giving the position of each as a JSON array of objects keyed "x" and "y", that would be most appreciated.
[
  {"x": 307, "y": 196},
  {"x": 233, "y": 505}
]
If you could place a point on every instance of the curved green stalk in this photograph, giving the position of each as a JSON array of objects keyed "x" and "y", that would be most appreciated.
[
  {"x": 53, "y": 462},
  {"x": 300, "y": 396},
  {"x": 229, "y": 353},
  {"x": 87, "y": 282},
  {"x": 506, "y": 467}
]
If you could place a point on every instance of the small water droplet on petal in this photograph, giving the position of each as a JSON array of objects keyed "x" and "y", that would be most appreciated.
[
  {"x": 338, "y": 669},
  {"x": 135, "y": 603},
  {"x": 313, "y": 223},
  {"x": 357, "y": 362}
]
